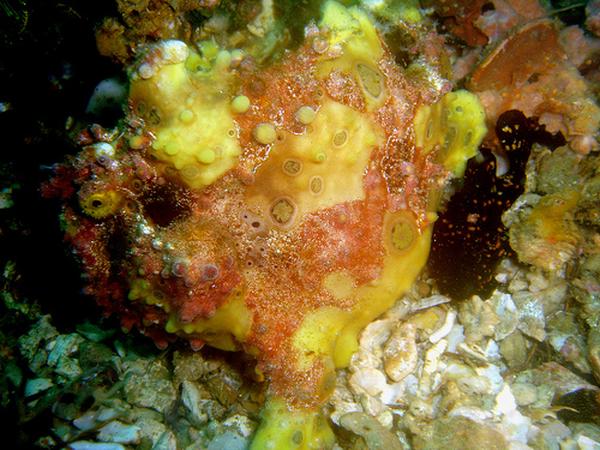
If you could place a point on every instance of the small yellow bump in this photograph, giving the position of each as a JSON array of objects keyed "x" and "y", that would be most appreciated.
[
  {"x": 429, "y": 132},
  {"x": 305, "y": 115},
  {"x": 298, "y": 437},
  {"x": 450, "y": 135},
  {"x": 209, "y": 49},
  {"x": 186, "y": 116},
  {"x": 171, "y": 149},
  {"x": 206, "y": 156},
  {"x": 411, "y": 14},
  {"x": 223, "y": 59},
  {"x": 292, "y": 167},
  {"x": 193, "y": 63},
  {"x": 240, "y": 104},
  {"x": 265, "y": 133},
  {"x": 136, "y": 142},
  {"x": 319, "y": 157},
  {"x": 468, "y": 137},
  {"x": 171, "y": 325}
]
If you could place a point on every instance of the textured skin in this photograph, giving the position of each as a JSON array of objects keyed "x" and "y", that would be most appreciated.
[{"x": 267, "y": 230}]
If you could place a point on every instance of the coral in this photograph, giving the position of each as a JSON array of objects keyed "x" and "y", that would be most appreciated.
[
  {"x": 546, "y": 235},
  {"x": 503, "y": 15},
  {"x": 592, "y": 11},
  {"x": 481, "y": 22},
  {"x": 274, "y": 208},
  {"x": 460, "y": 432},
  {"x": 143, "y": 21},
  {"x": 459, "y": 18},
  {"x": 547, "y": 86}
]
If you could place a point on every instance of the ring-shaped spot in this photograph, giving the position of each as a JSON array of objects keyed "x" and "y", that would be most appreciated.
[
  {"x": 292, "y": 167},
  {"x": 316, "y": 185},
  {"x": 282, "y": 211}
]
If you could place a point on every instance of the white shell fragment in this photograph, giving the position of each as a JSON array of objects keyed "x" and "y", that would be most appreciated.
[
  {"x": 116, "y": 431},
  {"x": 445, "y": 329},
  {"x": 400, "y": 352},
  {"x": 429, "y": 380},
  {"x": 37, "y": 385},
  {"x": 173, "y": 51},
  {"x": 531, "y": 316},
  {"x": 89, "y": 445}
]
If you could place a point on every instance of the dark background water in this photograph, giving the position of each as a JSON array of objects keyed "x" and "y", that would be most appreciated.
[{"x": 49, "y": 67}]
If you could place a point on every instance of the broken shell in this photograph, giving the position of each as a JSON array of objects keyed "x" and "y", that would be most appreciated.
[
  {"x": 368, "y": 380},
  {"x": 444, "y": 330},
  {"x": 374, "y": 434},
  {"x": 400, "y": 352},
  {"x": 479, "y": 318}
]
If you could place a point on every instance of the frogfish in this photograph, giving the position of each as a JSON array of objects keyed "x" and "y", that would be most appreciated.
[{"x": 273, "y": 209}]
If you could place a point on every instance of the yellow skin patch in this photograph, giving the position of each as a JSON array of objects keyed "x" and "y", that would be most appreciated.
[
  {"x": 351, "y": 29},
  {"x": 320, "y": 173},
  {"x": 187, "y": 109},
  {"x": 335, "y": 154},
  {"x": 233, "y": 317},
  {"x": 291, "y": 429},
  {"x": 456, "y": 124}
]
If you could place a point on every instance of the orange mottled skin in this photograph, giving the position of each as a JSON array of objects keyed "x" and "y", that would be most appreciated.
[{"x": 278, "y": 271}]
